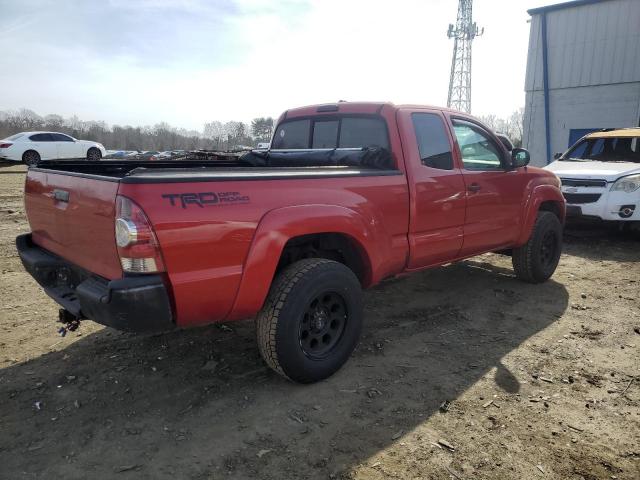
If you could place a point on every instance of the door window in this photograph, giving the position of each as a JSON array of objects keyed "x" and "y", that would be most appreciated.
[
  {"x": 478, "y": 150},
  {"x": 41, "y": 137},
  {"x": 59, "y": 137},
  {"x": 433, "y": 142}
]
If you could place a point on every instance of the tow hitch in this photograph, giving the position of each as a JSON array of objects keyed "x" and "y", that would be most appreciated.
[{"x": 70, "y": 322}]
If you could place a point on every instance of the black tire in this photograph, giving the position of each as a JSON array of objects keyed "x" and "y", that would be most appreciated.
[
  {"x": 31, "y": 158},
  {"x": 289, "y": 322},
  {"x": 93, "y": 154},
  {"x": 536, "y": 260}
]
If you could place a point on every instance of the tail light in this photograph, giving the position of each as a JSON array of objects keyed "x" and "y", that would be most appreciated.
[
  {"x": 137, "y": 244},
  {"x": 153, "y": 158},
  {"x": 5, "y": 145}
]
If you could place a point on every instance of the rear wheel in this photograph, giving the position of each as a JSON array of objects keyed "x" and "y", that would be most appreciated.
[
  {"x": 311, "y": 321},
  {"x": 31, "y": 158},
  {"x": 536, "y": 260},
  {"x": 94, "y": 154}
]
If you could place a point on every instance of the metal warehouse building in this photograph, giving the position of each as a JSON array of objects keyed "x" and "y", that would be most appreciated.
[{"x": 583, "y": 73}]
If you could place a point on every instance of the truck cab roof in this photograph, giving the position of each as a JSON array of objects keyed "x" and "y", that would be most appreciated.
[{"x": 355, "y": 108}]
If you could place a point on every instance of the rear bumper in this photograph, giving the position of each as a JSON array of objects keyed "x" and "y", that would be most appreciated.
[{"x": 132, "y": 304}]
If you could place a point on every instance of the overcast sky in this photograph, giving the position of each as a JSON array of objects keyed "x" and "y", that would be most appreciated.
[{"x": 191, "y": 61}]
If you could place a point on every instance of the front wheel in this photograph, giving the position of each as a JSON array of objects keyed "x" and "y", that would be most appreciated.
[
  {"x": 311, "y": 321},
  {"x": 94, "y": 155},
  {"x": 536, "y": 260}
]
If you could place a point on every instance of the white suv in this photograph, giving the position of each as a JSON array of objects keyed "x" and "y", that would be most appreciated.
[
  {"x": 31, "y": 147},
  {"x": 601, "y": 176}
]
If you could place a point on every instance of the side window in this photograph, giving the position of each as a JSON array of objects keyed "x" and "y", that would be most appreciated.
[
  {"x": 59, "y": 137},
  {"x": 294, "y": 134},
  {"x": 479, "y": 152},
  {"x": 41, "y": 137},
  {"x": 325, "y": 134},
  {"x": 433, "y": 142}
]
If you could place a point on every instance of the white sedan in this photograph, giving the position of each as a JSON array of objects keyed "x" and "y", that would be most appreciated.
[{"x": 31, "y": 147}]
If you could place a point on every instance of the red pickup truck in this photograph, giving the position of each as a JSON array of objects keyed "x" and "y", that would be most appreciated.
[{"x": 349, "y": 194}]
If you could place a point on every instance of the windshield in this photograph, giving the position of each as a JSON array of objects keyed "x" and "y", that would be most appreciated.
[
  {"x": 610, "y": 149},
  {"x": 14, "y": 137}
]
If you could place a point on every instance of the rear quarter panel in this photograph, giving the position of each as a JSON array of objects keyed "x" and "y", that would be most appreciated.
[{"x": 205, "y": 249}]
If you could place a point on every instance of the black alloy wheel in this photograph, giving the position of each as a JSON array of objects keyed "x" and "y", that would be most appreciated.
[
  {"x": 31, "y": 158},
  {"x": 311, "y": 320},
  {"x": 322, "y": 325}
]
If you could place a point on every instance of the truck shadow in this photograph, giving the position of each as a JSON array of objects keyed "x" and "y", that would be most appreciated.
[
  {"x": 201, "y": 404},
  {"x": 601, "y": 241}
]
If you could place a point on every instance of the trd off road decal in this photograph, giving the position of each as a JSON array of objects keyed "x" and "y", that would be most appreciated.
[{"x": 205, "y": 199}]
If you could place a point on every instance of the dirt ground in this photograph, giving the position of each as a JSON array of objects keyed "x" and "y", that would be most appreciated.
[{"x": 462, "y": 372}]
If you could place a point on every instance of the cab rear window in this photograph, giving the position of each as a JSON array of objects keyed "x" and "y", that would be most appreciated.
[{"x": 331, "y": 132}]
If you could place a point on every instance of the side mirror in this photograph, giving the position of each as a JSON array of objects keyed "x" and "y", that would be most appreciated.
[
  {"x": 556, "y": 156},
  {"x": 520, "y": 157}
]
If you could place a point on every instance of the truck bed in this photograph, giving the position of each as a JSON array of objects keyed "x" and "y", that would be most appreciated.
[
  {"x": 184, "y": 171},
  {"x": 114, "y": 170},
  {"x": 253, "y": 165}
]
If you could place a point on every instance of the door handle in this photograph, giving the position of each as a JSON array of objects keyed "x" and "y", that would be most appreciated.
[
  {"x": 61, "y": 195},
  {"x": 474, "y": 187}
]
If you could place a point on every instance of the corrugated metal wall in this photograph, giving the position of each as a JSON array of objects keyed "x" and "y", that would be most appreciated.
[
  {"x": 587, "y": 45},
  {"x": 591, "y": 48}
]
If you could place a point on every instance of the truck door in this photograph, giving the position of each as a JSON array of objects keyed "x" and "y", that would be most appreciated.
[
  {"x": 437, "y": 189},
  {"x": 494, "y": 192}
]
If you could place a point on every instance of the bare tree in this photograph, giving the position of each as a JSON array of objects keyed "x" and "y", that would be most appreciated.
[
  {"x": 516, "y": 127},
  {"x": 262, "y": 128},
  {"x": 216, "y": 132},
  {"x": 24, "y": 119},
  {"x": 161, "y": 136},
  {"x": 513, "y": 126},
  {"x": 53, "y": 122}
]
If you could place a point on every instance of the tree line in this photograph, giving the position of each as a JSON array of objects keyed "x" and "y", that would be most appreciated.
[{"x": 215, "y": 135}]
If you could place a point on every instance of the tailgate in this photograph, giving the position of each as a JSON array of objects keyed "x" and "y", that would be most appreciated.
[{"x": 73, "y": 217}]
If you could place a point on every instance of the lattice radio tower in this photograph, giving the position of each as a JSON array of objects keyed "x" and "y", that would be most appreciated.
[{"x": 463, "y": 33}]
